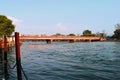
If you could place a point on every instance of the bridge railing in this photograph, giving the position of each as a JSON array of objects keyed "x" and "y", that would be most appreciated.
[{"x": 60, "y": 37}]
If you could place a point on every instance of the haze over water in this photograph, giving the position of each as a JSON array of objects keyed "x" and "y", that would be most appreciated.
[{"x": 71, "y": 61}]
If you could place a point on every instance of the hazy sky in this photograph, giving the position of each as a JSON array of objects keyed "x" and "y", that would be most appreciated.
[{"x": 62, "y": 16}]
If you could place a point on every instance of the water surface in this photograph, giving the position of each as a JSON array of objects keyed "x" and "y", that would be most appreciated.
[{"x": 71, "y": 61}]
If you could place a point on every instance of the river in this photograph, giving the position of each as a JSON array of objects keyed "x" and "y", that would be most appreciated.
[{"x": 70, "y": 61}]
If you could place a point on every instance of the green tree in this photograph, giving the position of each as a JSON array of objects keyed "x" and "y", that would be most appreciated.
[
  {"x": 117, "y": 34},
  {"x": 71, "y": 34},
  {"x": 6, "y": 26},
  {"x": 58, "y": 34},
  {"x": 87, "y": 33}
]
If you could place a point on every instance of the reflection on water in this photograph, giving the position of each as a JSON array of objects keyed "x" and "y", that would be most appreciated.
[{"x": 71, "y": 61}]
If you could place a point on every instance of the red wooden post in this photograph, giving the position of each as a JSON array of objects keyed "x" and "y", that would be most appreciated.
[
  {"x": 5, "y": 58},
  {"x": 18, "y": 58},
  {"x": 5, "y": 44}
]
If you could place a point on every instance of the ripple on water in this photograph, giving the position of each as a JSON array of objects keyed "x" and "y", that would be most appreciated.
[{"x": 77, "y": 61}]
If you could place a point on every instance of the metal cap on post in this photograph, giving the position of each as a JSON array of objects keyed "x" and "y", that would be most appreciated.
[{"x": 18, "y": 58}]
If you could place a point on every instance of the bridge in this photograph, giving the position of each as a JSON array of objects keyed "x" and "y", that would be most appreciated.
[{"x": 50, "y": 39}]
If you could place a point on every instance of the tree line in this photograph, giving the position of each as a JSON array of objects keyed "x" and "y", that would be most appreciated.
[
  {"x": 115, "y": 36},
  {"x": 7, "y": 28},
  {"x": 85, "y": 33}
]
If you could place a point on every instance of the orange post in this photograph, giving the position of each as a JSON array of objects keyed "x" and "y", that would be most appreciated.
[{"x": 18, "y": 58}]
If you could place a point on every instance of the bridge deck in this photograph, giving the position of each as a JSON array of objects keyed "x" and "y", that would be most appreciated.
[{"x": 60, "y": 38}]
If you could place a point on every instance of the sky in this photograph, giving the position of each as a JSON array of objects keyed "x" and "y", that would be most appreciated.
[{"x": 62, "y": 16}]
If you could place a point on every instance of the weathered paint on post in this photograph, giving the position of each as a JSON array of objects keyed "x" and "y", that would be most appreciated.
[
  {"x": 0, "y": 49},
  {"x": 18, "y": 58},
  {"x": 5, "y": 58},
  {"x": 5, "y": 44}
]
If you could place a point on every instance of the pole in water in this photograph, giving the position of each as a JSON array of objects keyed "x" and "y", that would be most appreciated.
[
  {"x": 5, "y": 58},
  {"x": 18, "y": 58},
  {"x": 1, "y": 50}
]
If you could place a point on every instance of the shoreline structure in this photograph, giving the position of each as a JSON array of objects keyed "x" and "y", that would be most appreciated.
[
  {"x": 51, "y": 38},
  {"x": 71, "y": 39}
]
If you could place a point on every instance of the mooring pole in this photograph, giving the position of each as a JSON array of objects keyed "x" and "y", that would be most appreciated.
[
  {"x": 1, "y": 50},
  {"x": 5, "y": 58},
  {"x": 18, "y": 58}
]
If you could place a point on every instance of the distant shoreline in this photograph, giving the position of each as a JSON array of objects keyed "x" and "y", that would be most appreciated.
[{"x": 112, "y": 41}]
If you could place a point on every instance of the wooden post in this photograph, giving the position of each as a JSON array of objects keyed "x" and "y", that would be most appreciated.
[
  {"x": 90, "y": 40},
  {"x": 5, "y": 58},
  {"x": 1, "y": 50},
  {"x": 18, "y": 58}
]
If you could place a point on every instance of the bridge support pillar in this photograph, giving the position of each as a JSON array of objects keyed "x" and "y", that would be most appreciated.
[
  {"x": 49, "y": 41},
  {"x": 90, "y": 40},
  {"x": 72, "y": 41}
]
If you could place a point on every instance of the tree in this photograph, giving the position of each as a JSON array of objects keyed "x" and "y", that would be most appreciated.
[
  {"x": 103, "y": 34},
  {"x": 58, "y": 34},
  {"x": 87, "y": 33},
  {"x": 117, "y": 32},
  {"x": 71, "y": 34},
  {"x": 117, "y": 26},
  {"x": 6, "y": 26}
]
